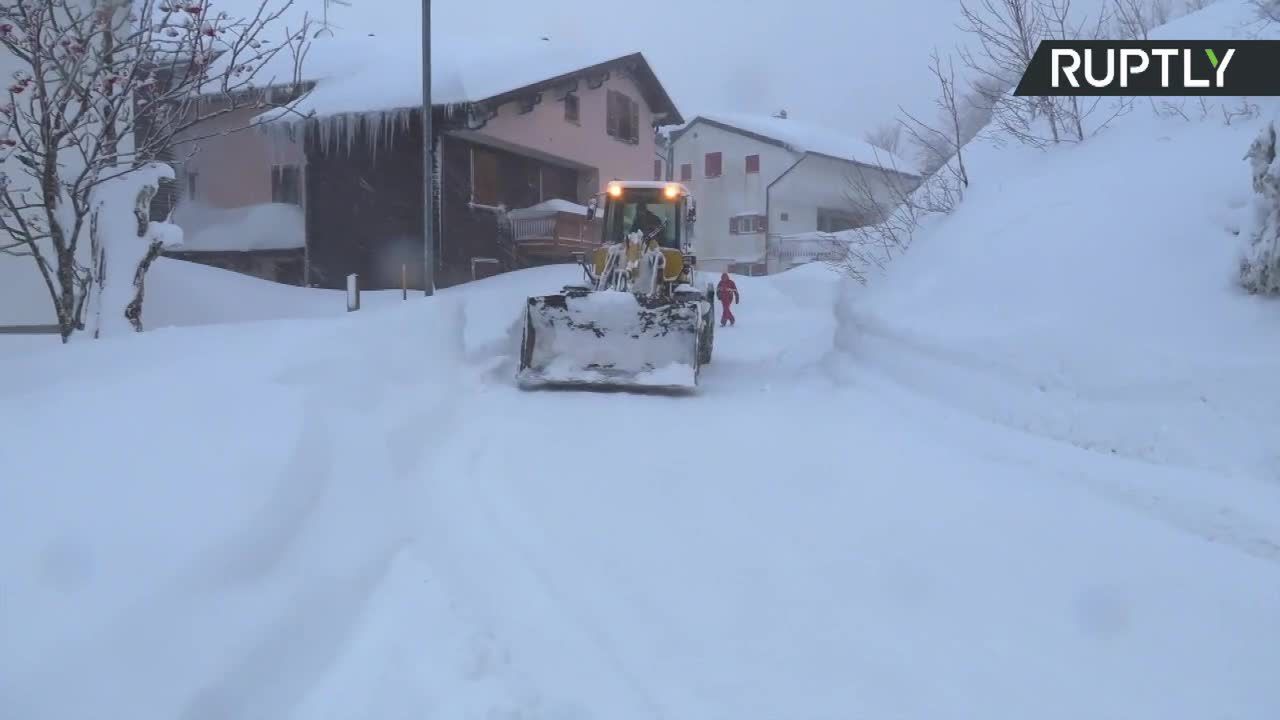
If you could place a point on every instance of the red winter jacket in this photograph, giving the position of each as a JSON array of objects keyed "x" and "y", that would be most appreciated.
[{"x": 727, "y": 290}]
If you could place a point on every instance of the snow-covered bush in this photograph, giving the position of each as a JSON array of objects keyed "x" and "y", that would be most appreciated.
[
  {"x": 121, "y": 220},
  {"x": 102, "y": 89},
  {"x": 1260, "y": 263}
]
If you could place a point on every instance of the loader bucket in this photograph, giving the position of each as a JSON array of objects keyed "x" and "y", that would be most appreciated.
[{"x": 610, "y": 338}]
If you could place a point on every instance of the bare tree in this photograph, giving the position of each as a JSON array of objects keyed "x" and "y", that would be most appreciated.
[
  {"x": 944, "y": 140},
  {"x": 887, "y": 137},
  {"x": 1267, "y": 10},
  {"x": 891, "y": 201},
  {"x": 1134, "y": 19},
  {"x": 105, "y": 87},
  {"x": 1077, "y": 112},
  {"x": 1161, "y": 12},
  {"x": 1008, "y": 33},
  {"x": 890, "y": 204}
]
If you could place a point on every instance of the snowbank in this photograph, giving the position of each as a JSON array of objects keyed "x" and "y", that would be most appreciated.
[
  {"x": 223, "y": 539},
  {"x": 181, "y": 293},
  {"x": 269, "y": 226},
  {"x": 1097, "y": 307}
]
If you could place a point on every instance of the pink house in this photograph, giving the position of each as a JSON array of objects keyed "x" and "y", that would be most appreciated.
[{"x": 517, "y": 158}]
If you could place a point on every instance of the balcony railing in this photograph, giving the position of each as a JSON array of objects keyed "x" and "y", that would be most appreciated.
[{"x": 542, "y": 236}]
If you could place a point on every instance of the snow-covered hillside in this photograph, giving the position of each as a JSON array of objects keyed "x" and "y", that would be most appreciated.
[{"x": 1030, "y": 473}]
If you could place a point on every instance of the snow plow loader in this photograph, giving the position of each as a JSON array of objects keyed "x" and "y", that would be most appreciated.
[{"x": 639, "y": 320}]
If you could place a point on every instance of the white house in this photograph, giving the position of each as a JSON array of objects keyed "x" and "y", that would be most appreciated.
[{"x": 759, "y": 180}]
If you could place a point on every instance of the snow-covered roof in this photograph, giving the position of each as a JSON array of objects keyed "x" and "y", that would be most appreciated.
[
  {"x": 803, "y": 137},
  {"x": 370, "y": 59}
]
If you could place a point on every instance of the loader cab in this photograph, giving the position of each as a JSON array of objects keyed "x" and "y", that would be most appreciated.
[{"x": 629, "y": 207}]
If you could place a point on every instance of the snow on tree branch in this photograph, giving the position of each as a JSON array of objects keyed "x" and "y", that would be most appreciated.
[{"x": 1260, "y": 263}]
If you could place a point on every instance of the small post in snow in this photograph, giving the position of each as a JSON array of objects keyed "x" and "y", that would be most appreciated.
[
  {"x": 353, "y": 292},
  {"x": 404, "y": 282}
]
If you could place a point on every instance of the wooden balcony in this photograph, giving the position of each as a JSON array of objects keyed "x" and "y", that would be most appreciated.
[{"x": 551, "y": 232}]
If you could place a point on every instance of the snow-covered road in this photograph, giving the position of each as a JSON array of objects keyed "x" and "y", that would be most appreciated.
[
  {"x": 809, "y": 538},
  {"x": 401, "y": 532}
]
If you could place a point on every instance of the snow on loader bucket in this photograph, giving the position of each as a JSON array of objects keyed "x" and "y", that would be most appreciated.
[
  {"x": 638, "y": 322},
  {"x": 611, "y": 338}
]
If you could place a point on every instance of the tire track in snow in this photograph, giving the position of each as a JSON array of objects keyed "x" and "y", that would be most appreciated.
[
  {"x": 470, "y": 522},
  {"x": 368, "y": 422},
  {"x": 1219, "y": 524}
]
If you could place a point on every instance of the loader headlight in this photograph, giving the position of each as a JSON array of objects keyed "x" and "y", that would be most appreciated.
[
  {"x": 672, "y": 191},
  {"x": 615, "y": 190}
]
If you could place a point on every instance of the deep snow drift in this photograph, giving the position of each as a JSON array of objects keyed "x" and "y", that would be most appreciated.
[{"x": 1029, "y": 474}]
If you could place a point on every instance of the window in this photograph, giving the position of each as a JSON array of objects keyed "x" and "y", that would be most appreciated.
[
  {"x": 712, "y": 165},
  {"x": 286, "y": 184},
  {"x": 191, "y": 185},
  {"x": 746, "y": 224},
  {"x": 623, "y": 121},
  {"x": 657, "y": 169},
  {"x": 559, "y": 183},
  {"x": 484, "y": 176},
  {"x": 837, "y": 220},
  {"x": 621, "y": 216},
  {"x": 753, "y": 164},
  {"x": 784, "y": 216},
  {"x": 686, "y": 171},
  {"x": 571, "y": 109}
]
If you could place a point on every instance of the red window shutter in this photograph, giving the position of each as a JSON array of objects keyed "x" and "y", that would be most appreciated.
[
  {"x": 733, "y": 226},
  {"x": 753, "y": 163},
  {"x": 686, "y": 171},
  {"x": 763, "y": 223},
  {"x": 713, "y": 164}
]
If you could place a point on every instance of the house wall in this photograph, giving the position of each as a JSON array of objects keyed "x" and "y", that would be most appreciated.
[
  {"x": 587, "y": 143},
  {"x": 474, "y": 232},
  {"x": 817, "y": 182},
  {"x": 364, "y": 211},
  {"x": 233, "y": 170},
  {"x": 735, "y": 192}
]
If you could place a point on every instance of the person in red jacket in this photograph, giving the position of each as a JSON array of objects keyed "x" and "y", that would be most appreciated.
[{"x": 728, "y": 294}]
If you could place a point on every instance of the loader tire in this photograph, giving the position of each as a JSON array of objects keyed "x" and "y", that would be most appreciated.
[
  {"x": 707, "y": 340},
  {"x": 526, "y": 341}
]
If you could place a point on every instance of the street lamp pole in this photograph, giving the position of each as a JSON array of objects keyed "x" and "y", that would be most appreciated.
[{"x": 428, "y": 159}]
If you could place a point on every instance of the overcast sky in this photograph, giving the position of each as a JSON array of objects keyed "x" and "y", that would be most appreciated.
[{"x": 846, "y": 64}]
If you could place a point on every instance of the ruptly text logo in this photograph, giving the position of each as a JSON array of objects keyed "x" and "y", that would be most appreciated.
[{"x": 1108, "y": 67}]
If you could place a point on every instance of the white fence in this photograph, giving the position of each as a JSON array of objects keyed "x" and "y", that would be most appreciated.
[{"x": 788, "y": 251}]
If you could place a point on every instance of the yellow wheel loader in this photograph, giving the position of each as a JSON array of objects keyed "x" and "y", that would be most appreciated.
[{"x": 639, "y": 320}]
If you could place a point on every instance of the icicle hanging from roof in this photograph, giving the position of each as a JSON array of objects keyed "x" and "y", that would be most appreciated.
[{"x": 377, "y": 129}]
